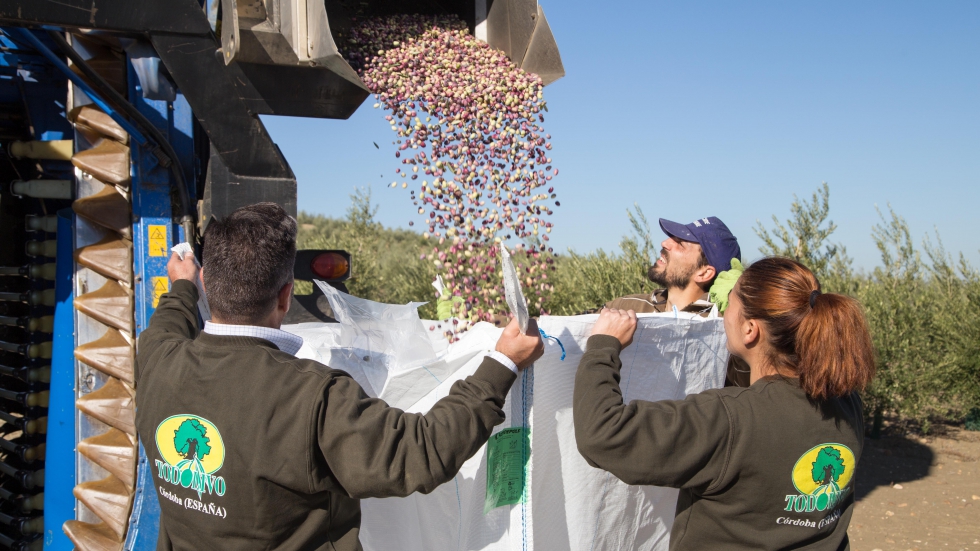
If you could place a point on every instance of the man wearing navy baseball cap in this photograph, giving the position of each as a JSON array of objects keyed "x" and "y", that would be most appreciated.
[{"x": 690, "y": 258}]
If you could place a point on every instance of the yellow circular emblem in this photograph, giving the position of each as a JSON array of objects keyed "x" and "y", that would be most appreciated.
[
  {"x": 190, "y": 442},
  {"x": 824, "y": 469}
]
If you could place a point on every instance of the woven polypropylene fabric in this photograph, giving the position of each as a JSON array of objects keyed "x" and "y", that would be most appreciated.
[{"x": 570, "y": 506}]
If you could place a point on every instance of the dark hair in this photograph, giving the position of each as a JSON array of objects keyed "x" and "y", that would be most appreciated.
[
  {"x": 248, "y": 258},
  {"x": 822, "y": 337}
]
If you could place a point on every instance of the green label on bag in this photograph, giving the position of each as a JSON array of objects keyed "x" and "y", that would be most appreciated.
[{"x": 508, "y": 452}]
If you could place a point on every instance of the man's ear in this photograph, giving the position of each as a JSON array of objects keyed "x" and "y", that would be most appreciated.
[
  {"x": 201, "y": 276},
  {"x": 286, "y": 297},
  {"x": 704, "y": 275}
]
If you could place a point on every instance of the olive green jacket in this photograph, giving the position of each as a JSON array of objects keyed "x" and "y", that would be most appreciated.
[
  {"x": 251, "y": 448},
  {"x": 758, "y": 468}
]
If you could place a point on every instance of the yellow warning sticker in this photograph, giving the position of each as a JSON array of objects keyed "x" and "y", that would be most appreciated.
[
  {"x": 160, "y": 286},
  {"x": 158, "y": 240}
]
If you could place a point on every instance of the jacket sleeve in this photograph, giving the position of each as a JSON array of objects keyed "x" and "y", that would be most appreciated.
[
  {"x": 175, "y": 319},
  {"x": 374, "y": 450},
  {"x": 673, "y": 443}
]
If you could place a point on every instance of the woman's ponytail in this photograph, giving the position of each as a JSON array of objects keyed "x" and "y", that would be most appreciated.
[
  {"x": 834, "y": 348},
  {"x": 823, "y": 337}
]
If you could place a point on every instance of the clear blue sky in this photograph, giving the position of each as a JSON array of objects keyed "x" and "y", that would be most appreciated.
[{"x": 694, "y": 109}]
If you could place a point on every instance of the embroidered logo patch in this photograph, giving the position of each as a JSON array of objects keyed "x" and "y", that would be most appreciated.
[
  {"x": 822, "y": 477},
  {"x": 192, "y": 451}
]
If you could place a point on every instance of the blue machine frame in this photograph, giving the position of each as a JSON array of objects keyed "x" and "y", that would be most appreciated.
[
  {"x": 153, "y": 213},
  {"x": 59, "y": 474},
  {"x": 154, "y": 232}
]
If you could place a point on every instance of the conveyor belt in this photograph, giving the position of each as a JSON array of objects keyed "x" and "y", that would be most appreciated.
[
  {"x": 105, "y": 304},
  {"x": 41, "y": 175}
]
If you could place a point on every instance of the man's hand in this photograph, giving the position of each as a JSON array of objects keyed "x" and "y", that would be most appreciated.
[
  {"x": 521, "y": 349},
  {"x": 182, "y": 269},
  {"x": 616, "y": 323}
]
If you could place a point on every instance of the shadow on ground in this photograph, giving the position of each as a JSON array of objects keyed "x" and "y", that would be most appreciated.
[{"x": 890, "y": 460}]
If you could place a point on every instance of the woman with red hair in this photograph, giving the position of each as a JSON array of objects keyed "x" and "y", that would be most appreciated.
[{"x": 770, "y": 466}]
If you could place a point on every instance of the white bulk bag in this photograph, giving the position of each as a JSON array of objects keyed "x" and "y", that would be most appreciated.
[{"x": 570, "y": 506}]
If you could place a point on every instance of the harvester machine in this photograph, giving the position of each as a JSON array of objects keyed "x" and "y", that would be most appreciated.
[{"x": 124, "y": 127}]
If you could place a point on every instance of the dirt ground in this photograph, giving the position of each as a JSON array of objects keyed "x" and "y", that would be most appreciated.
[{"x": 918, "y": 492}]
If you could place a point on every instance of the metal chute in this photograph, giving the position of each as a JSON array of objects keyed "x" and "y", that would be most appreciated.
[
  {"x": 111, "y": 257},
  {"x": 111, "y": 354},
  {"x": 108, "y": 161},
  {"x": 94, "y": 124},
  {"x": 111, "y": 304},
  {"x": 542, "y": 57},
  {"x": 277, "y": 57},
  {"x": 106, "y": 208},
  {"x": 110, "y": 499},
  {"x": 92, "y": 537},
  {"x": 114, "y": 451},
  {"x": 112, "y": 404}
]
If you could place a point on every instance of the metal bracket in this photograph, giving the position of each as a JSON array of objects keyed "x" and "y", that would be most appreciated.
[{"x": 230, "y": 35}]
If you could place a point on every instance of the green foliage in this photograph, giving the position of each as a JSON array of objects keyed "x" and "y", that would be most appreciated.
[
  {"x": 191, "y": 440},
  {"x": 921, "y": 305},
  {"x": 923, "y": 319},
  {"x": 804, "y": 235},
  {"x": 587, "y": 281},
  {"x": 922, "y": 313},
  {"x": 973, "y": 420},
  {"x": 895, "y": 298},
  {"x": 386, "y": 263},
  {"x": 829, "y": 462}
]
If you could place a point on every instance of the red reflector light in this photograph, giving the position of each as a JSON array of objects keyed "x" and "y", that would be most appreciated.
[{"x": 329, "y": 266}]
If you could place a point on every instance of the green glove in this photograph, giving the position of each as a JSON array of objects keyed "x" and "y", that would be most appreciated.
[
  {"x": 444, "y": 307},
  {"x": 724, "y": 284}
]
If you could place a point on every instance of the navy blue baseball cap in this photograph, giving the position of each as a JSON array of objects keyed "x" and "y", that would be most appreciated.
[{"x": 716, "y": 240}]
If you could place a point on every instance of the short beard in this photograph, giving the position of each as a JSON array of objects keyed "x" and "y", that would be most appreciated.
[{"x": 666, "y": 279}]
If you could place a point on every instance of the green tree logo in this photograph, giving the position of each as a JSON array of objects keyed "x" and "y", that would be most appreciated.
[
  {"x": 827, "y": 470},
  {"x": 191, "y": 441}
]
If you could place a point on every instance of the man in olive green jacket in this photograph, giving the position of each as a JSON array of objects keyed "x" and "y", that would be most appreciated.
[{"x": 251, "y": 448}]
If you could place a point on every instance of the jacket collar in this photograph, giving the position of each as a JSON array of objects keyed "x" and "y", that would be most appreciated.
[
  {"x": 287, "y": 342},
  {"x": 700, "y": 306}
]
